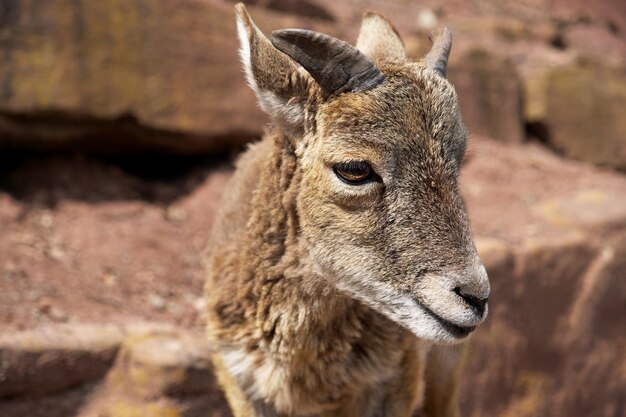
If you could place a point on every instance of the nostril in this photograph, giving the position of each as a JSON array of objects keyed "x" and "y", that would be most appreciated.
[{"x": 476, "y": 304}]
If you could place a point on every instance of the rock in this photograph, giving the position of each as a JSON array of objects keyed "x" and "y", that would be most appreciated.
[
  {"x": 62, "y": 404},
  {"x": 597, "y": 41},
  {"x": 595, "y": 362},
  {"x": 175, "y": 214},
  {"x": 163, "y": 362},
  {"x": 550, "y": 270},
  {"x": 56, "y": 358},
  {"x": 544, "y": 338},
  {"x": 523, "y": 81},
  {"x": 157, "y": 302},
  {"x": 305, "y": 8},
  {"x": 495, "y": 254},
  {"x": 497, "y": 257},
  {"x": 427, "y": 19},
  {"x": 490, "y": 94},
  {"x": 597, "y": 210},
  {"x": 120, "y": 406},
  {"x": 593, "y": 130},
  {"x": 127, "y": 76},
  {"x": 534, "y": 63},
  {"x": 595, "y": 341},
  {"x": 610, "y": 296},
  {"x": 475, "y": 30},
  {"x": 160, "y": 371},
  {"x": 126, "y": 408}
]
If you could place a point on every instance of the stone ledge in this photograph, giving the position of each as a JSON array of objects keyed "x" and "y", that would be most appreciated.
[
  {"x": 49, "y": 360},
  {"x": 162, "y": 75},
  {"x": 138, "y": 370}
]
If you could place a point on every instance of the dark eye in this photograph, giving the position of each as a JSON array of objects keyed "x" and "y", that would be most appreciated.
[{"x": 354, "y": 172}]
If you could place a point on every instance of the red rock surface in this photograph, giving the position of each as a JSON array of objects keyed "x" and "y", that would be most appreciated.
[
  {"x": 85, "y": 240},
  {"x": 121, "y": 76},
  {"x": 128, "y": 76},
  {"x": 120, "y": 239}
]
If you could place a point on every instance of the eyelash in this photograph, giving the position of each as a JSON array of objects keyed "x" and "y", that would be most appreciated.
[{"x": 355, "y": 172}]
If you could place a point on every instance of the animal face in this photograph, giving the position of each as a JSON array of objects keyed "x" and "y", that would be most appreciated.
[{"x": 379, "y": 204}]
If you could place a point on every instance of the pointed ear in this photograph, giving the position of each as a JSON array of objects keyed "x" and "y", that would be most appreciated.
[
  {"x": 437, "y": 58},
  {"x": 379, "y": 40},
  {"x": 282, "y": 90}
]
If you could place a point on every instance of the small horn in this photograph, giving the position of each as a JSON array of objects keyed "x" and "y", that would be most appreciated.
[
  {"x": 437, "y": 58},
  {"x": 336, "y": 65}
]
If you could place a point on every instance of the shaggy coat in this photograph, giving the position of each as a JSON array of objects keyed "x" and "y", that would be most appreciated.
[{"x": 325, "y": 295}]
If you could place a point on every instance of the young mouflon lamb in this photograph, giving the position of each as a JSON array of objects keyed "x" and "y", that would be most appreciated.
[{"x": 342, "y": 258}]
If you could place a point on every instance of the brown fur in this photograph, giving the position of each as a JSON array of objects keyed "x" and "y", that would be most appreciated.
[{"x": 302, "y": 268}]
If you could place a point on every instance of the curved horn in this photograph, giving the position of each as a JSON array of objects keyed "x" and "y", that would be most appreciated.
[
  {"x": 336, "y": 65},
  {"x": 437, "y": 58}
]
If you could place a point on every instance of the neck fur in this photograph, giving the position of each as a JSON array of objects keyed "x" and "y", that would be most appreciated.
[
  {"x": 273, "y": 225},
  {"x": 278, "y": 266}
]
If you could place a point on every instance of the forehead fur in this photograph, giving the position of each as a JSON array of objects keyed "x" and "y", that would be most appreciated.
[{"x": 413, "y": 105}]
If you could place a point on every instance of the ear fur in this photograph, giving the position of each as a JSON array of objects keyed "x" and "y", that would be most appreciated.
[
  {"x": 379, "y": 40},
  {"x": 280, "y": 88}
]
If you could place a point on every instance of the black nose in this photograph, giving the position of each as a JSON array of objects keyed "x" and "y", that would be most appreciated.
[{"x": 474, "y": 302}]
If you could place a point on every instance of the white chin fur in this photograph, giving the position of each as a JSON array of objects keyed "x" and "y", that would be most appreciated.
[
  {"x": 396, "y": 306},
  {"x": 401, "y": 309}
]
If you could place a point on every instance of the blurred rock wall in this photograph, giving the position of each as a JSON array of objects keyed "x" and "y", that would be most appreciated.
[
  {"x": 163, "y": 75},
  {"x": 119, "y": 76}
]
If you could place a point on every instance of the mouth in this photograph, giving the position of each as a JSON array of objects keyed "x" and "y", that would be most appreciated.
[{"x": 455, "y": 330}]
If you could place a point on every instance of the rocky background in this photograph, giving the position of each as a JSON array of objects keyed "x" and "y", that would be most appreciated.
[{"x": 119, "y": 120}]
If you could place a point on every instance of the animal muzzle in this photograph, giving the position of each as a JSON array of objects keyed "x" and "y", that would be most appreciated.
[
  {"x": 474, "y": 289},
  {"x": 457, "y": 297}
]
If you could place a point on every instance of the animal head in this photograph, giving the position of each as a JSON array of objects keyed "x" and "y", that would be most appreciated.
[{"x": 379, "y": 142}]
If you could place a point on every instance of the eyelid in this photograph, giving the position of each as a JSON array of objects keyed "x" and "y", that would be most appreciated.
[
  {"x": 342, "y": 178},
  {"x": 381, "y": 169},
  {"x": 373, "y": 176},
  {"x": 355, "y": 165}
]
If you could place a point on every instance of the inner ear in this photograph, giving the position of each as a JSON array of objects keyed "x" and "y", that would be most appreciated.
[
  {"x": 379, "y": 40},
  {"x": 281, "y": 89}
]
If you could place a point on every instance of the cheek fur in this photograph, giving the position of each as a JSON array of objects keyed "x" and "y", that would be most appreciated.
[{"x": 324, "y": 191}]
